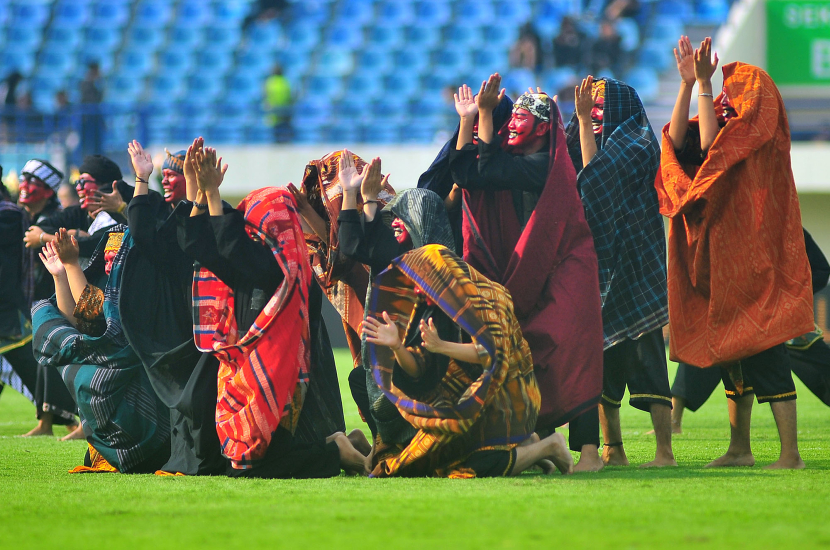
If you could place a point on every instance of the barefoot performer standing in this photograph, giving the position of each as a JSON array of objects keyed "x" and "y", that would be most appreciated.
[{"x": 739, "y": 278}]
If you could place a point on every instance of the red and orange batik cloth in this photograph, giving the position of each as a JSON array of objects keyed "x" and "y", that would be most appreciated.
[
  {"x": 262, "y": 373},
  {"x": 739, "y": 279},
  {"x": 344, "y": 281},
  {"x": 490, "y": 405}
]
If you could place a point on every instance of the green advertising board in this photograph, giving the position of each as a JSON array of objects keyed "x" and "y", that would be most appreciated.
[{"x": 798, "y": 42}]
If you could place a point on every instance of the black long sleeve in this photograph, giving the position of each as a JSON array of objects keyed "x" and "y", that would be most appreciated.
[
  {"x": 144, "y": 218},
  {"x": 372, "y": 244},
  {"x": 498, "y": 170}
]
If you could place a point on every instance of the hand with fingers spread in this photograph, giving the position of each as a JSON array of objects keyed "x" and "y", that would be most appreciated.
[
  {"x": 209, "y": 169},
  {"x": 66, "y": 247},
  {"x": 373, "y": 181},
  {"x": 189, "y": 172},
  {"x": 429, "y": 335},
  {"x": 490, "y": 95},
  {"x": 685, "y": 57},
  {"x": 465, "y": 103},
  {"x": 142, "y": 162},
  {"x": 382, "y": 333},
  {"x": 303, "y": 206},
  {"x": 106, "y": 202},
  {"x": 584, "y": 99},
  {"x": 350, "y": 178},
  {"x": 705, "y": 62},
  {"x": 51, "y": 261}
]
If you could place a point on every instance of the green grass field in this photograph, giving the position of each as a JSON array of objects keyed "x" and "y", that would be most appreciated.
[{"x": 41, "y": 506}]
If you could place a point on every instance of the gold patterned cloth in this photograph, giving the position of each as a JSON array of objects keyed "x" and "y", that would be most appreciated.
[{"x": 489, "y": 405}]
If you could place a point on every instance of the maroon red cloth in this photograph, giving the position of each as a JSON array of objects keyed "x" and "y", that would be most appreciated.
[{"x": 550, "y": 269}]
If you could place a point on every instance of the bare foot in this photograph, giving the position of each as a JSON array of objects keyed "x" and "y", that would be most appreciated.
[
  {"x": 42, "y": 428},
  {"x": 787, "y": 463},
  {"x": 559, "y": 454},
  {"x": 546, "y": 466},
  {"x": 661, "y": 461},
  {"x": 351, "y": 459},
  {"x": 77, "y": 433},
  {"x": 732, "y": 459},
  {"x": 614, "y": 456},
  {"x": 359, "y": 441},
  {"x": 71, "y": 427},
  {"x": 589, "y": 462}
]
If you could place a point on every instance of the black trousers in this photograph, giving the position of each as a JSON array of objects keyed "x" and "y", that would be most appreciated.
[
  {"x": 46, "y": 385},
  {"x": 357, "y": 385},
  {"x": 288, "y": 459}
]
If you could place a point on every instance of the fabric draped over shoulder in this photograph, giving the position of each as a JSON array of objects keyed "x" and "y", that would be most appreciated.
[
  {"x": 262, "y": 373},
  {"x": 550, "y": 269},
  {"x": 490, "y": 405},
  {"x": 738, "y": 275},
  {"x": 621, "y": 208},
  {"x": 122, "y": 417},
  {"x": 343, "y": 280}
]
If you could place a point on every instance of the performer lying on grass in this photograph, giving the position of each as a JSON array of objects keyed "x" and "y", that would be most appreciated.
[
  {"x": 251, "y": 309},
  {"x": 475, "y": 403}
]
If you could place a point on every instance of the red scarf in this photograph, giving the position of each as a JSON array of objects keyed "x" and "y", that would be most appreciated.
[{"x": 259, "y": 370}]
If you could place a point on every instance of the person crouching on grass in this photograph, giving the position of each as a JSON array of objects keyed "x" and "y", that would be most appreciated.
[{"x": 474, "y": 402}]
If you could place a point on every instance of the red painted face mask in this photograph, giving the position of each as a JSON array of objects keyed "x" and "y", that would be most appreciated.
[
  {"x": 32, "y": 190},
  {"x": 174, "y": 186},
  {"x": 475, "y": 133},
  {"x": 86, "y": 186},
  {"x": 401, "y": 233},
  {"x": 525, "y": 131},
  {"x": 109, "y": 256},
  {"x": 596, "y": 115},
  {"x": 729, "y": 112}
]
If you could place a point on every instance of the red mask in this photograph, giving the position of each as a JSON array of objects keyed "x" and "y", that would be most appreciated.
[
  {"x": 525, "y": 132},
  {"x": 424, "y": 295},
  {"x": 33, "y": 190},
  {"x": 86, "y": 186},
  {"x": 109, "y": 256},
  {"x": 401, "y": 233},
  {"x": 729, "y": 112},
  {"x": 475, "y": 133},
  {"x": 174, "y": 186},
  {"x": 596, "y": 115}
]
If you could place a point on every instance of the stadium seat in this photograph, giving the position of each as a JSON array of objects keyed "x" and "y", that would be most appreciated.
[
  {"x": 213, "y": 60},
  {"x": 5, "y": 13},
  {"x": 375, "y": 60},
  {"x": 157, "y": 12},
  {"x": 629, "y": 33},
  {"x": 517, "y": 79},
  {"x": 556, "y": 79},
  {"x": 344, "y": 131},
  {"x": 382, "y": 132},
  {"x": 476, "y": 12},
  {"x": 30, "y": 14},
  {"x": 413, "y": 60},
  {"x": 23, "y": 38},
  {"x": 102, "y": 39},
  {"x": 451, "y": 60},
  {"x": 488, "y": 61},
  {"x": 167, "y": 87},
  {"x": 423, "y": 37},
  {"x": 502, "y": 36},
  {"x": 90, "y": 53},
  {"x": 310, "y": 10},
  {"x": 56, "y": 60},
  {"x": 123, "y": 89},
  {"x": 325, "y": 87},
  {"x": 655, "y": 54},
  {"x": 147, "y": 37},
  {"x": 512, "y": 13},
  {"x": 336, "y": 62},
  {"x": 431, "y": 106},
  {"x": 665, "y": 29},
  {"x": 357, "y": 102},
  {"x": 681, "y": 9},
  {"x": 186, "y": 38},
  {"x": 711, "y": 12},
  {"x": 402, "y": 83},
  {"x": 47, "y": 83},
  {"x": 463, "y": 36},
  {"x": 71, "y": 14},
  {"x": 110, "y": 15},
  {"x": 385, "y": 36},
  {"x": 645, "y": 81},
  {"x": 303, "y": 36},
  {"x": 225, "y": 131},
  {"x": 243, "y": 86},
  {"x": 222, "y": 37},
  {"x": 260, "y": 63},
  {"x": 433, "y": 13},
  {"x": 193, "y": 13},
  {"x": 424, "y": 131},
  {"x": 174, "y": 62},
  {"x": 359, "y": 12},
  {"x": 395, "y": 13},
  {"x": 231, "y": 13},
  {"x": 345, "y": 36},
  {"x": 365, "y": 87},
  {"x": 204, "y": 86}
]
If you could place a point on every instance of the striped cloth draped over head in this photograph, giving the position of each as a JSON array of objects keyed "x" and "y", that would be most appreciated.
[
  {"x": 121, "y": 415},
  {"x": 621, "y": 208},
  {"x": 490, "y": 405},
  {"x": 262, "y": 373}
]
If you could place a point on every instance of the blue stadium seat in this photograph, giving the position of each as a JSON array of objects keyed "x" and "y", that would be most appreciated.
[
  {"x": 556, "y": 79},
  {"x": 437, "y": 83},
  {"x": 363, "y": 88},
  {"x": 548, "y": 17},
  {"x": 148, "y": 37},
  {"x": 475, "y": 12},
  {"x": 413, "y": 60},
  {"x": 221, "y": 36},
  {"x": 303, "y": 36},
  {"x": 681, "y": 9},
  {"x": 260, "y": 63},
  {"x": 433, "y": 13},
  {"x": 22, "y": 61},
  {"x": 91, "y": 53},
  {"x": 123, "y": 89},
  {"x": 396, "y": 13},
  {"x": 136, "y": 60},
  {"x": 402, "y": 83},
  {"x": 354, "y": 104},
  {"x": 502, "y": 36},
  {"x": 161, "y": 109},
  {"x": 68, "y": 13},
  {"x": 386, "y": 36},
  {"x": 375, "y": 59},
  {"x": 629, "y": 33},
  {"x": 512, "y": 13},
  {"x": 423, "y": 131},
  {"x": 325, "y": 87},
  {"x": 102, "y": 39},
  {"x": 656, "y": 55},
  {"x": 193, "y": 13},
  {"x": 110, "y": 15},
  {"x": 225, "y": 131},
  {"x": 167, "y": 87},
  {"x": 463, "y": 36},
  {"x": 517, "y": 79},
  {"x": 666, "y": 29},
  {"x": 230, "y": 13},
  {"x": 490, "y": 60},
  {"x": 243, "y": 87},
  {"x": 431, "y": 106},
  {"x": 23, "y": 38},
  {"x": 645, "y": 81},
  {"x": 345, "y": 130},
  {"x": 357, "y": 11},
  {"x": 57, "y": 61},
  {"x": 5, "y": 13},
  {"x": 213, "y": 60},
  {"x": 711, "y": 12},
  {"x": 310, "y": 10},
  {"x": 47, "y": 83},
  {"x": 345, "y": 36},
  {"x": 451, "y": 60},
  {"x": 382, "y": 132},
  {"x": 158, "y": 12},
  {"x": 186, "y": 38},
  {"x": 30, "y": 14},
  {"x": 423, "y": 37},
  {"x": 174, "y": 62},
  {"x": 335, "y": 62}
]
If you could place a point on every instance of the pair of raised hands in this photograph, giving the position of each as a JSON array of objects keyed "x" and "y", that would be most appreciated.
[
  {"x": 56, "y": 254},
  {"x": 488, "y": 97},
  {"x": 201, "y": 165},
  {"x": 695, "y": 64},
  {"x": 386, "y": 333},
  {"x": 369, "y": 182}
]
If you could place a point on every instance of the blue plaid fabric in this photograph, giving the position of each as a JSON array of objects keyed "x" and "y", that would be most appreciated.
[{"x": 617, "y": 190}]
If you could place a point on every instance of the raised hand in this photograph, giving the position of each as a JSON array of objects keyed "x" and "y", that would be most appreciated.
[
  {"x": 210, "y": 172},
  {"x": 382, "y": 333},
  {"x": 373, "y": 182},
  {"x": 685, "y": 57},
  {"x": 107, "y": 202},
  {"x": 189, "y": 173},
  {"x": 705, "y": 63},
  {"x": 66, "y": 247},
  {"x": 141, "y": 159},
  {"x": 465, "y": 103},
  {"x": 350, "y": 178},
  {"x": 51, "y": 261},
  {"x": 489, "y": 96},
  {"x": 303, "y": 206},
  {"x": 584, "y": 99},
  {"x": 429, "y": 335}
]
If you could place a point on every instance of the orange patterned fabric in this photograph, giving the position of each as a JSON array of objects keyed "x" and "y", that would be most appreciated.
[
  {"x": 344, "y": 281},
  {"x": 99, "y": 464},
  {"x": 739, "y": 279}
]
